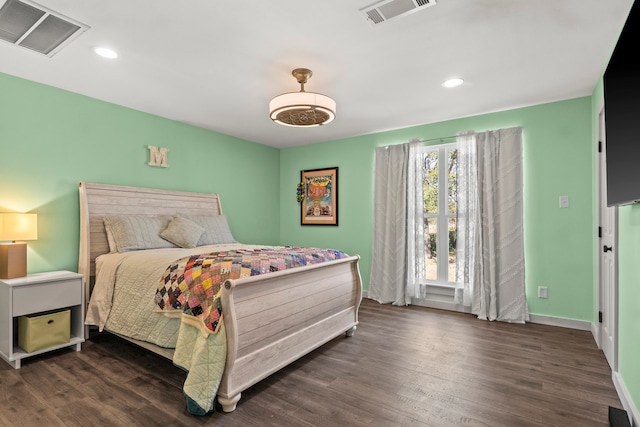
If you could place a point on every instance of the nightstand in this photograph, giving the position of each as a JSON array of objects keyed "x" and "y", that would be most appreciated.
[{"x": 38, "y": 293}]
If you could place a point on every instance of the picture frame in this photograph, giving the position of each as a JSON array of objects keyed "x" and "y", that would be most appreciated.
[{"x": 319, "y": 206}]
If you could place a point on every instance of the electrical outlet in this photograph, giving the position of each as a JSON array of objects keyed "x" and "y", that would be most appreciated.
[
  {"x": 564, "y": 201},
  {"x": 542, "y": 292}
]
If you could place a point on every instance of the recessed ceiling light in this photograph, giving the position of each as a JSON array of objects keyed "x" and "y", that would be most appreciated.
[
  {"x": 105, "y": 52},
  {"x": 457, "y": 81}
]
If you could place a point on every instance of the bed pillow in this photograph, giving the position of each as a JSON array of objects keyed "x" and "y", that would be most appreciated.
[
  {"x": 137, "y": 232},
  {"x": 182, "y": 232},
  {"x": 216, "y": 229},
  {"x": 113, "y": 248}
]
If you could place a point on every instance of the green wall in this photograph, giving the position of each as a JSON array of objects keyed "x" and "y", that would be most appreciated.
[
  {"x": 51, "y": 139},
  {"x": 557, "y": 161},
  {"x": 628, "y": 282},
  {"x": 629, "y": 298}
]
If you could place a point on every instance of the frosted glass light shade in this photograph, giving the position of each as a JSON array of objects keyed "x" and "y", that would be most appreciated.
[
  {"x": 302, "y": 109},
  {"x": 18, "y": 226}
]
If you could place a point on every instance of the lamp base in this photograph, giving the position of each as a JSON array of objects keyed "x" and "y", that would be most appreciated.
[{"x": 13, "y": 260}]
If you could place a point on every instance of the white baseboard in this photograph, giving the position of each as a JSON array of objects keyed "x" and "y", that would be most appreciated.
[
  {"x": 625, "y": 399},
  {"x": 581, "y": 325},
  {"x": 595, "y": 331},
  {"x": 445, "y": 304}
]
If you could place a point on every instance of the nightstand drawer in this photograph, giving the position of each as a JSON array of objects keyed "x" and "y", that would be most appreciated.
[{"x": 46, "y": 296}]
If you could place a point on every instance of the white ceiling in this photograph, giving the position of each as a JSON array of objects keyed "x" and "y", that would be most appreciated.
[{"x": 216, "y": 64}]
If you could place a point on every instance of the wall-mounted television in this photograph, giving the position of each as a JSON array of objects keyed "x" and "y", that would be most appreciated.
[{"x": 622, "y": 115}]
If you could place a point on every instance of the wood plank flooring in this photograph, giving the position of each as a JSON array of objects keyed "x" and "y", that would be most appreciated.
[{"x": 404, "y": 367}]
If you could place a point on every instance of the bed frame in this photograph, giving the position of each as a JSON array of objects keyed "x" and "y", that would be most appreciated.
[{"x": 309, "y": 306}]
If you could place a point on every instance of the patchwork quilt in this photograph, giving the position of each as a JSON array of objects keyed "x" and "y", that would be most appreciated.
[{"x": 191, "y": 287}]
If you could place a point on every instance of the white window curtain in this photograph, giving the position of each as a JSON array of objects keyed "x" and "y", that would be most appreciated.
[
  {"x": 490, "y": 243},
  {"x": 398, "y": 242}
]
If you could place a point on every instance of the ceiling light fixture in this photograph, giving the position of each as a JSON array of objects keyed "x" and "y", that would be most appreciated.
[
  {"x": 302, "y": 109},
  {"x": 105, "y": 52},
  {"x": 456, "y": 81}
]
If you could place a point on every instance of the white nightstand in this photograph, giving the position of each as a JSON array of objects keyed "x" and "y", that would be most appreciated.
[{"x": 37, "y": 293}]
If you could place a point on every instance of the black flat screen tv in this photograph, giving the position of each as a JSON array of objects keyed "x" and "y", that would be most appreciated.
[{"x": 622, "y": 115}]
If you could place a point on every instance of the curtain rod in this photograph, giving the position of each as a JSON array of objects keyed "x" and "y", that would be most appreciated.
[
  {"x": 435, "y": 139},
  {"x": 442, "y": 138}
]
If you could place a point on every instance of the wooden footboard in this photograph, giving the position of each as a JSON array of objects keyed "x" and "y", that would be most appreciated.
[{"x": 272, "y": 320}]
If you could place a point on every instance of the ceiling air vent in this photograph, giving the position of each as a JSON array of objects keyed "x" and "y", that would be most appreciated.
[
  {"x": 29, "y": 25},
  {"x": 387, "y": 10}
]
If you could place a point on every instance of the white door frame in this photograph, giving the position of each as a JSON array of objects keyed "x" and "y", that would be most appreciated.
[{"x": 607, "y": 304}]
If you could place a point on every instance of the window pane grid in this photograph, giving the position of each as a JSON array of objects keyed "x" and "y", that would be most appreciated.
[
  {"x": 430, "y": 181},
  {"x": 440, "y": 190},
  {"x": 431, "y": 248}
]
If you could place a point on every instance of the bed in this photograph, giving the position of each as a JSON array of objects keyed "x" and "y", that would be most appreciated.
[{"x": 268, "y": 320}]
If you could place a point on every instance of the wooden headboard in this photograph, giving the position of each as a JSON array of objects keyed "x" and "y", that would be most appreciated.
[{"x": 98, "y": 200}]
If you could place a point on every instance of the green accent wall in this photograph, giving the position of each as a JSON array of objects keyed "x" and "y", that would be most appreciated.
[
  {"x": 557, "y": 162},
  {"x": 628, "y": 281},
  {"x": 629, "y": 299},
  {"x": 51, "y": 139}
]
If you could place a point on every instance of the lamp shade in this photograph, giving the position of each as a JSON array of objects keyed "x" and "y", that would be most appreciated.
[
  {"x": 302, "y": 109},
  {"x": 18, "y": 226}
]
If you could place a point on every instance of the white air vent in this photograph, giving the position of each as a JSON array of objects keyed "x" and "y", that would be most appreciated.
[
  {"x": 387, "y": 10},
  {"x": 29, "y": 25}
]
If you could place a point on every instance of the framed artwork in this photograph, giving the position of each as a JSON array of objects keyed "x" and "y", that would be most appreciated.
[{"x": 319, "y": 205}]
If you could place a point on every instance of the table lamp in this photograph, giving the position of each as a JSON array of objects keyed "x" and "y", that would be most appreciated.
[{"x": 13, "y": 256}]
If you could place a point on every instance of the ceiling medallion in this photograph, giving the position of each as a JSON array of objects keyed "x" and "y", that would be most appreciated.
[{"x": 302, "y": 109}]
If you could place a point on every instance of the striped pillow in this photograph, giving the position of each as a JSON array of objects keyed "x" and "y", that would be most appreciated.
[{"x": 137, "y": 232}]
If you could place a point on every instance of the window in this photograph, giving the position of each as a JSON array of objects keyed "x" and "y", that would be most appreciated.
[{"x": 440, "y": 210}]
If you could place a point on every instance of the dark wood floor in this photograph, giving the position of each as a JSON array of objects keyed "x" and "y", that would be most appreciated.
[{"x": 404, "y": 367}]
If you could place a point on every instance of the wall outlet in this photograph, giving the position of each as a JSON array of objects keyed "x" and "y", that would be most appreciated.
[
  {"x": 542, "y": 292},
  {"x": 564, "y": 201}
]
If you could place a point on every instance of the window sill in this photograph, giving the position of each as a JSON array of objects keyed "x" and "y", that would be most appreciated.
[
  {"x": 439, "y": 296},
  {"x": 439, "y": 289}
]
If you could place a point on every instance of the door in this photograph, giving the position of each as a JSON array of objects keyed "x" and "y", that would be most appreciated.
[{"x": 607, "y": 258}]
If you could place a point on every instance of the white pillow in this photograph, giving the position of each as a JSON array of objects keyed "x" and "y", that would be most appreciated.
[
  {"x": 182, "y": 232},
  {"x": 136, "y": 232},
  {"x": 113, "y": 248},
  {"x": 216, "y": 229}
]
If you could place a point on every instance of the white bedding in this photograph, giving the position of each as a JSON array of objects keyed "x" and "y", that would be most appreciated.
[{"x": 122, "y": 300}]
